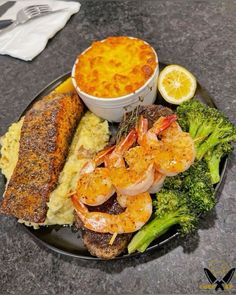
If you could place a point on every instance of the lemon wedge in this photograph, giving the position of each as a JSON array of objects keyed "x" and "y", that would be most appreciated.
[
  {"x": 176, "y": 84},
  {"x": 66, "y": 86}
]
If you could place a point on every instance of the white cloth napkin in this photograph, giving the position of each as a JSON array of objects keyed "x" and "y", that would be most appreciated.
[{"x": 27, "y": 40}]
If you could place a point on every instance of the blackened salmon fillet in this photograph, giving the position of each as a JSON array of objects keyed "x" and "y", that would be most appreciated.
[{"x": 46, "y": 135}]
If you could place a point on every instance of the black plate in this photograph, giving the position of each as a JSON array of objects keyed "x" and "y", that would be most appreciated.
[{"x": 62, "y": 239}]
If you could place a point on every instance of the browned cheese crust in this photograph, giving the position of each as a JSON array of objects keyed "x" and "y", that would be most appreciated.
[{"x": 45, "y": 138}]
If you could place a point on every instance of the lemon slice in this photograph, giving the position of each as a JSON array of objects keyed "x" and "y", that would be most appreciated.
[
  {"x": 176, "y": 84},
  {"x": 66, "y": 86}
]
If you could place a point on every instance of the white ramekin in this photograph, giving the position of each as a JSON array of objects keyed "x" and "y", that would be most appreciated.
[{"x": 112, "y": 109}]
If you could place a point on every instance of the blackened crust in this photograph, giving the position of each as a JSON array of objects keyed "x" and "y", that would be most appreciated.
[{"x": 46, "y": 134}]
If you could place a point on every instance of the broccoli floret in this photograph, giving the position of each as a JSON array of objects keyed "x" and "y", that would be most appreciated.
[
  {"x": 197, "y": 184},
  {"x": 207, "y": 126},
  {"x": 223, "y": 132},
  {"x": 210, "y": 118},
  {"x": 180, "y": 202},
  {"x": 188, "y": 118},
  {"x": 172, "y": 209},
  {"x": 174, "y": 182},
  {"x": 213, "y": 158}
]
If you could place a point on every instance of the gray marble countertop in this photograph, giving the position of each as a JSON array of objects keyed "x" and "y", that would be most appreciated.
[{"x": 200, "y": 35}]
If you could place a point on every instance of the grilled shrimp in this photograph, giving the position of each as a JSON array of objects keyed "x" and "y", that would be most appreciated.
[
  {"x": 132, "y": 180},
  {"x": 137, "y": 177},
  {"x": 174, "y": 152},
  {"x": 137, "y": 213},
  {"x": 147, "y": 138},
  {"x": 94, "y": 186},
  {"x": 139, "y": 158}
]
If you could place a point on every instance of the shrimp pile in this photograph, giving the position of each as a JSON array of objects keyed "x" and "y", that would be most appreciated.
[
  {"x": 174, "y": 152},
  {"x": 133, "y": 168}
]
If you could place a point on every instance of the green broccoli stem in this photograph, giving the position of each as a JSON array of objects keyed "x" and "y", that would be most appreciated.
[
  {"x": 156, "y": 228},
  {"x": 211, "y": 142},
  {"x": 208, "y": 144},
  {"x": 193, "y": 130},
  {"x": 214, "y": 167}
]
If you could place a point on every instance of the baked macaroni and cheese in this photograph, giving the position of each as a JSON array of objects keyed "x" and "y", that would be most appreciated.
[{"x": 115, "y": 67}]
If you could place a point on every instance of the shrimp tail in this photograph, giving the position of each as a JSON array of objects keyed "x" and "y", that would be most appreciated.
[
  {"x": 94, "y": 221},
  {"x": 163, "y": 123},
  {"x": 90, "y": 166},
  {"x": 100, "y": 157},
  {"x": 115, "y": 159},
  {"x": 79, "y": 206},
  {"x": 142, "y": 129},
  {"x": 127, "y": 142}
]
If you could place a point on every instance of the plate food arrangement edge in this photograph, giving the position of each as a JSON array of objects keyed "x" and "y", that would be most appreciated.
[{"x": 115, "y": 159}]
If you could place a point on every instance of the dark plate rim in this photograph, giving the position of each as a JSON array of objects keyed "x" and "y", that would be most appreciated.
[{"x": 52, "y": 85}]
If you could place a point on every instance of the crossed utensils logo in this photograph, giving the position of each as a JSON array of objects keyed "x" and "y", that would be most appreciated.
[{"x": 219, "y": 282}]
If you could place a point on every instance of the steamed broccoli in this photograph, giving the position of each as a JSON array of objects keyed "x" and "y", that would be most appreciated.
[
  {"x": 207, "y": 126},
  {"x": 187, "y": 113},
  {"x": 196, "y": 183},
  {"x": 172, "y": 208},
  {"x": 181, "y": 200},
  {"x": 213, "y": 158},
  {"x": 174, "y": 182},
  {"x": 185, "y": 196}
]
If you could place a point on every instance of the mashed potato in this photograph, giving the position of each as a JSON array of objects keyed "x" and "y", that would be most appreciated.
[
  {"x": 91, "y": 136},
  {"x": 10, "y": 146}
]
